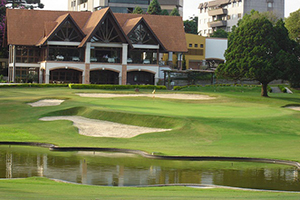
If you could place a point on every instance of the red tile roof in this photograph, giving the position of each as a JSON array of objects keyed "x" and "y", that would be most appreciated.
[{"x": 34, "y": 27}]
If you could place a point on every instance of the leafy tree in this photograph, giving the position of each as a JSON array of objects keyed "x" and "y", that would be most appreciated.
[
  {"x": 3, "y": 51},
  {"x": 220, "y": 33},
  {"x": 138, "y": 10},
  {"x": 154, "y": 8},
  {"x": 191, "y": 26},
  {"x": 261, "y": 51},
  {"x": 25, "y": 4},
  {"x": 175, "y": 12},
  {"x": 164, "y": 12},
  {"x": 292, "y": 23}
]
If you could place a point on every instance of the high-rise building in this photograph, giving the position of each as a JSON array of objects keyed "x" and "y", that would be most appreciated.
[
  {"x": 226, "y": 13},
  {"x": 122, "y": 6}
]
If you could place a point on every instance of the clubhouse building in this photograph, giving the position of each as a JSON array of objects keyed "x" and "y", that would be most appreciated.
[{"x": 98, "y": 47}]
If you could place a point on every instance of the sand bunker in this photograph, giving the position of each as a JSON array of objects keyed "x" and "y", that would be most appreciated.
[
  {"x": 99, "y": 128},
  {"x": 165, "y": 96},
  {"x": 46, "y": 102},
  {"x": 294, "y": 108}
]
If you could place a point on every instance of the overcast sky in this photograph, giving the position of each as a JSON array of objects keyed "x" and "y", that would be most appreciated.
[{"x": 190, "y": 6}]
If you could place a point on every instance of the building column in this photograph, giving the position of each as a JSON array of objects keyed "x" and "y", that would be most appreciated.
[
  {"x": 13, "y": 77},
  {"x": 47, "y": 76},
  {"x": 179, "y": 55},
  {"x": 40, "y": 75},
  {"x": 170, "y": 59},
  {"x": 124, "y": 64},
  {"x": 86, "y": 72}
]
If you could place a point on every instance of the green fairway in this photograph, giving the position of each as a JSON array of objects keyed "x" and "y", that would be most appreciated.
[
  {"x": 41, "y": 188},
  {"x": 234, "y": 124}
]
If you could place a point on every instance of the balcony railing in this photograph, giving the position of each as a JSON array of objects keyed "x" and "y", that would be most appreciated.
[
  {"x": 219, "y": 11},
  {"x": 217, "y": 23}
]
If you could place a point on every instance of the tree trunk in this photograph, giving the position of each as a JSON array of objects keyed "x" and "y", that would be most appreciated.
[{"x": 264, "y": 90}]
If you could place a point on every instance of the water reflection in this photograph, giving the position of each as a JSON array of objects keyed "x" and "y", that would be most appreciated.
[{"x": 16, "y": 162}]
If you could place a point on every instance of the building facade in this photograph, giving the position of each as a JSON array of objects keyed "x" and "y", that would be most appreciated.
[
  {"x": 122, "y": 6},
  {"x": 98, "y": 47},
  {"x": 225, "y": 14}
]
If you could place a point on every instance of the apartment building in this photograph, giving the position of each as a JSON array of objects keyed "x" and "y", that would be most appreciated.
[
  {"x": 226, "y": 13},
  {"x": 122, "y": 6}
]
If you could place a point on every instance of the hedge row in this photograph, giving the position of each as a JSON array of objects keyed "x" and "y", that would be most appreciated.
[
  {"x": 116, "y": 87},
  {"x": 216, "y": 85},
  {"x": 37, "y": 85}
]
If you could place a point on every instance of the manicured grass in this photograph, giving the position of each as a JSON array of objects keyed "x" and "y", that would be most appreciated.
[
  {"x": 238, "y": 123},
  {"x": 235, "y": 124},
  {"x": 41, "y": 188}
]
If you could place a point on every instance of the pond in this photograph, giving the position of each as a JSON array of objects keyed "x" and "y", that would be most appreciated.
[{"x": 116, "y": 169}]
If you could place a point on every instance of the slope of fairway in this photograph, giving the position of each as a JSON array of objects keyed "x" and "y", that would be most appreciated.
[{"x": 233, "y": 124}]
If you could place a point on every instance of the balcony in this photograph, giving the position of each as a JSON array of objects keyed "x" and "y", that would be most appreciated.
[
  {"x": 220, "y": 23},
  {"x": 219, "y": 11}
]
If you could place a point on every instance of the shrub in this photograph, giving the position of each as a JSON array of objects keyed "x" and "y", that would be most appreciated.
[
  {"x": 282, "y": 88},
  {"x": 32, "y": 85},
  {"x": 116, "y": 87}
]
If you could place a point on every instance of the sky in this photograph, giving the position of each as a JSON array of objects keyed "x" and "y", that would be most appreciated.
[{"x": 190, "y": 6}]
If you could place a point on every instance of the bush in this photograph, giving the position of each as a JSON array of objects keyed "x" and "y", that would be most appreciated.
[
  {"x": 32, "y": 85},
  {"x": 282, "y": 88},
  {"x": 116, "y": 87}
]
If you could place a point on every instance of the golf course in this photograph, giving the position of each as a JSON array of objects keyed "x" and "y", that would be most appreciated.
[{"x": 229, "y": 121}]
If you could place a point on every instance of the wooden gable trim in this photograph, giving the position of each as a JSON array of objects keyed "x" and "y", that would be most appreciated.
[
  {"x": 116, "y": 25},
  {"x": 143, "y": 21}
]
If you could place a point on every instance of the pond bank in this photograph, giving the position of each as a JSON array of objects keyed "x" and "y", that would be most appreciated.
[{"x": 52, "y": 147}]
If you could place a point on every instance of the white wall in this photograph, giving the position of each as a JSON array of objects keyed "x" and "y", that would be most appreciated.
[{"x": 215, "y": 48}]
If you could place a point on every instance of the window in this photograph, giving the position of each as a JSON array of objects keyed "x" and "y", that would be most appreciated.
[
  {"x": 228, "y": 17},
  {"x": 190, "y": 45},
  {"x": 239, "y": 15},
  {"x": 204, "y": 32},
  {"x": 201, "y": 45},
  {"x": 228, "y": 29},
  {"x": 234, "y": 16},
  {"x": 196, "y": 45},
  {"x": 270, "y": 5},
  {"x": 195, "y": 52}
]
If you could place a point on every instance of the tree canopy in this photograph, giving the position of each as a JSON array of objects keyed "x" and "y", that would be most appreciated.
[
  {"x": 154, "y": 8},
  {"x": 175, "y": 12},
  {"x": 292, "y": 23},
  {"x": 220, "y": 33},
  {"x": 191, "y": 25},
  {"x": 164, "y": 12},
  {"x": 262, "y": 51},
  {"x": 138, "y": 10}
]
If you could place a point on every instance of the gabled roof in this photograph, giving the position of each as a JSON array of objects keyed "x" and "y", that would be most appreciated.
[
  {"x": 27, "y": 27},
  {"x": 34, "y": 27},
  {"x": 95, "y": 21},
  {"x": 56, "y": 26},
  {"x": 131, "y": 24},
  {"x": 168, "y": 29}
]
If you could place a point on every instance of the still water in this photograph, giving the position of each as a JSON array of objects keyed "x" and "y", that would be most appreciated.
[{"x": 111, "y": 169}]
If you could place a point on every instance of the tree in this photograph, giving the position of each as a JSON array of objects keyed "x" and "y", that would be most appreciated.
[
  {"x": 25, "y": 4},
  {"x": 191, "y": 26},
  {"x": 175, "y": 12},
  {"x": 164, "y": 12},
  {"x": 138, "y": 10},
  {"x": 293, "y": 25},
  {"x": 3, "y": 51},
  {"x": 154, "y": 8},
  {"x": 220, "y": 33},
  {"x": 261, "y": 51}
]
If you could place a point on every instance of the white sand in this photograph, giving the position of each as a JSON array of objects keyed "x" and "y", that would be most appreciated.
[
  {"x": 294, "y": 108},
  {"x": 46, "y": 102},
  {"x": 99, "y": 128},
  {"x": 166, "y": 96}
]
